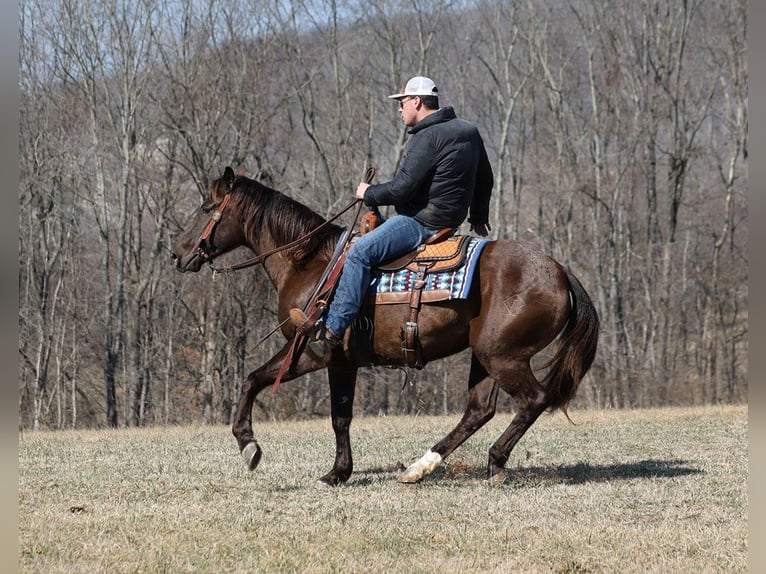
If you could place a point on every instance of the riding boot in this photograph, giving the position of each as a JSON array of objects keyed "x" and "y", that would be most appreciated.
[{"x": 321, "y": 339}]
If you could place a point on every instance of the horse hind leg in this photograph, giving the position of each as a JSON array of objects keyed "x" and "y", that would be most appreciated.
[
  {"x": 531, "y": 402},
  {"x": 482, "y": 400}
]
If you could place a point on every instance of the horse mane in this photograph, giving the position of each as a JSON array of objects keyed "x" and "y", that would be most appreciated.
[{"x": 286, "y": 220}]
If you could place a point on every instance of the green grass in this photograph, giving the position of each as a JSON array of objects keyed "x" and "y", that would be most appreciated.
[{"x": 638, "y": 491}]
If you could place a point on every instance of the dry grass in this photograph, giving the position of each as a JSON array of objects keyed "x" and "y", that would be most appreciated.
[{"x": 639, "y": 491}]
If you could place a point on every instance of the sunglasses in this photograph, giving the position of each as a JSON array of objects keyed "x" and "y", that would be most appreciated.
[{"x": 401, "y": 102}]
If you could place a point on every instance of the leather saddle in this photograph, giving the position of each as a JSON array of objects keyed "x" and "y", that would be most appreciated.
[
  {"x": 444, "y": 255},
  {"x": 442, "y": 252}
]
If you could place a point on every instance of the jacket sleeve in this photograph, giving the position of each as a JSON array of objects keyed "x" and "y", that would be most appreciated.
[
  {"x": 415, "y": 171},
  {"x": 485, "y": 179}
]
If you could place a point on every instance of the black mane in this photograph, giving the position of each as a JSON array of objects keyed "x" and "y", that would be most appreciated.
[{"x": 286, "y": 220}]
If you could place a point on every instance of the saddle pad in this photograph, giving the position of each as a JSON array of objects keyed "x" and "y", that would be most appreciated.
[{"x": 394, "y": 287}]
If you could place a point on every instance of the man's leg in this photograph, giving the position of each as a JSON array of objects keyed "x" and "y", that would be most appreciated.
[{"x": 393, "y": 238}]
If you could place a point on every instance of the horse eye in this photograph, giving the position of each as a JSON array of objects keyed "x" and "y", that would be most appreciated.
[{"x": 208, "y": 206}]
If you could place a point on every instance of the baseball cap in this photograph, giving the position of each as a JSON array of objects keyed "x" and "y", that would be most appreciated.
[{"x": 417, "y": 86}]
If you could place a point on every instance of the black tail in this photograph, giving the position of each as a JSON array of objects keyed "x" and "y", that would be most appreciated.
[{"x": 576, "y": 349}]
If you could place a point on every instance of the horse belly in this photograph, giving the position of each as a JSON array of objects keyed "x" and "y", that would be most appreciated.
[{"x": 442, "y": 329}]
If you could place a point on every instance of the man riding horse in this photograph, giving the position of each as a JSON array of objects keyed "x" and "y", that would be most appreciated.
[
  {"x": 521, "y": 301},
  {"x": 444, "y": 177}
]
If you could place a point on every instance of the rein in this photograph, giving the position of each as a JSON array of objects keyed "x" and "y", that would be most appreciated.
[
  {"x": 217, "y": 214},
  {"x": 262, "y": 257}
]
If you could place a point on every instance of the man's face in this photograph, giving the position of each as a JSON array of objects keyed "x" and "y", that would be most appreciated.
[{"x": 408, "y": 109}]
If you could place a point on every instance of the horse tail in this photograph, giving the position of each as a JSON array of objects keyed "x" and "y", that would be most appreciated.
[{"x": 576, "y": 348}]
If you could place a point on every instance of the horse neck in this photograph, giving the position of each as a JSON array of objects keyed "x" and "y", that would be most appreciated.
[
  {"x": 280, "y": 268},
  {"x": 280, "y": 222}
]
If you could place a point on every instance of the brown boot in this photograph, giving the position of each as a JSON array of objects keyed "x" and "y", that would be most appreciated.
[
  {"x": 301, "y": 322},
  {"x": 322, "y": 340},
  {"x": 325, "y": 342}
]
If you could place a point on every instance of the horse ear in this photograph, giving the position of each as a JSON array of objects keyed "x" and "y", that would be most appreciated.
[{"x": 228, "y": 178}]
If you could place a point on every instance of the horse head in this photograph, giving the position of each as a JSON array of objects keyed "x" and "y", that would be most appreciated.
[{"x": 214, "y": 229}]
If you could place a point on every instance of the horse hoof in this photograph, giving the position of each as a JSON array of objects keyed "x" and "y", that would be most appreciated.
[
  {"x": 428, "y": 463},
  {"x": 409, "y": 476},
  {"x": 331, "y": 480},
  {"x": 498, "y": 479},
  {"x": 252, "y": 455}
]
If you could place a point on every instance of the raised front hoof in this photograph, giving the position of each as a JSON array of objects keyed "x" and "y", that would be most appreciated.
[
  {"x": 332, "y": 479},
  {"x": 252, "y": 455}
]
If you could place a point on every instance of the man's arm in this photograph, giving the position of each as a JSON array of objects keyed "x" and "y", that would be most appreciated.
[
  {"x": 481, "y": 229},
  {"x": 416, "y": 168},
  {"x": 479, "y": 211}
]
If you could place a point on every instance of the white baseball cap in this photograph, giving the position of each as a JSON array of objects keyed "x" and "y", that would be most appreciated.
[{"x": 418, "y": 86}]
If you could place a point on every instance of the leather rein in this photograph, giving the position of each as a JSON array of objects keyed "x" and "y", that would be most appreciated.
[{"x": 216, "y": 216}]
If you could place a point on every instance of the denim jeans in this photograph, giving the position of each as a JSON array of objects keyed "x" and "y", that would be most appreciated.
[{"x": 393, "y": 238}]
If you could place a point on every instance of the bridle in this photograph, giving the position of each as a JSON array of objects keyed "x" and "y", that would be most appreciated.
[
  {"x": 207, "y": 231},
  {"x": 216, "y": 216}
]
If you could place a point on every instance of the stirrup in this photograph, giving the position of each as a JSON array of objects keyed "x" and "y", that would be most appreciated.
[
  {"x": 304, "y": 325},
  {"x": 324, "y": 344}
]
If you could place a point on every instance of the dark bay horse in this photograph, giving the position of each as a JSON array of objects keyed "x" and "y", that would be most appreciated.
[{"x": 518, "y": 304}]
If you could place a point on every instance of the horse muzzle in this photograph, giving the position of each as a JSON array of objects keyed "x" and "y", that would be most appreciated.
[{"x": 193, "y": 261}]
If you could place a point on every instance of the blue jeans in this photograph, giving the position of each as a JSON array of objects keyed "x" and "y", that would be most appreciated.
[{"x": 393, "y": 238}]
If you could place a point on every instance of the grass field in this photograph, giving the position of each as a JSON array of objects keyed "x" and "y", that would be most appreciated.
[{"x": 619, "y": 491}]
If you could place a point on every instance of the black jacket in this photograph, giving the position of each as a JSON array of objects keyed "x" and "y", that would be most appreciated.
[{"x": 444, "y": 173}]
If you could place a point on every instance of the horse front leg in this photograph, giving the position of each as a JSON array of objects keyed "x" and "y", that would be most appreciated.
[
  {"x": 259, "y": 379},
  {"x": 342, "y": 387}
]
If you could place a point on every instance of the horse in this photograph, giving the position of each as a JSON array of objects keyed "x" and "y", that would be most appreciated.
[{"x": 520, "y": 301}]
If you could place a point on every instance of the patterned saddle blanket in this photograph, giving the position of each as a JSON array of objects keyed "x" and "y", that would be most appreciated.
[{"x": 451, "y": 268}]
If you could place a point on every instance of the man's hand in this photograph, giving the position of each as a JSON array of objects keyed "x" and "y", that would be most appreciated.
[
  {"x": 361, "y": 188},
  {"x": 481, "y": 229}
]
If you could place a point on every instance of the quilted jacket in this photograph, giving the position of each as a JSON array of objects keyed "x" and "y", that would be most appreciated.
[{"x": 444, "y": 176}]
